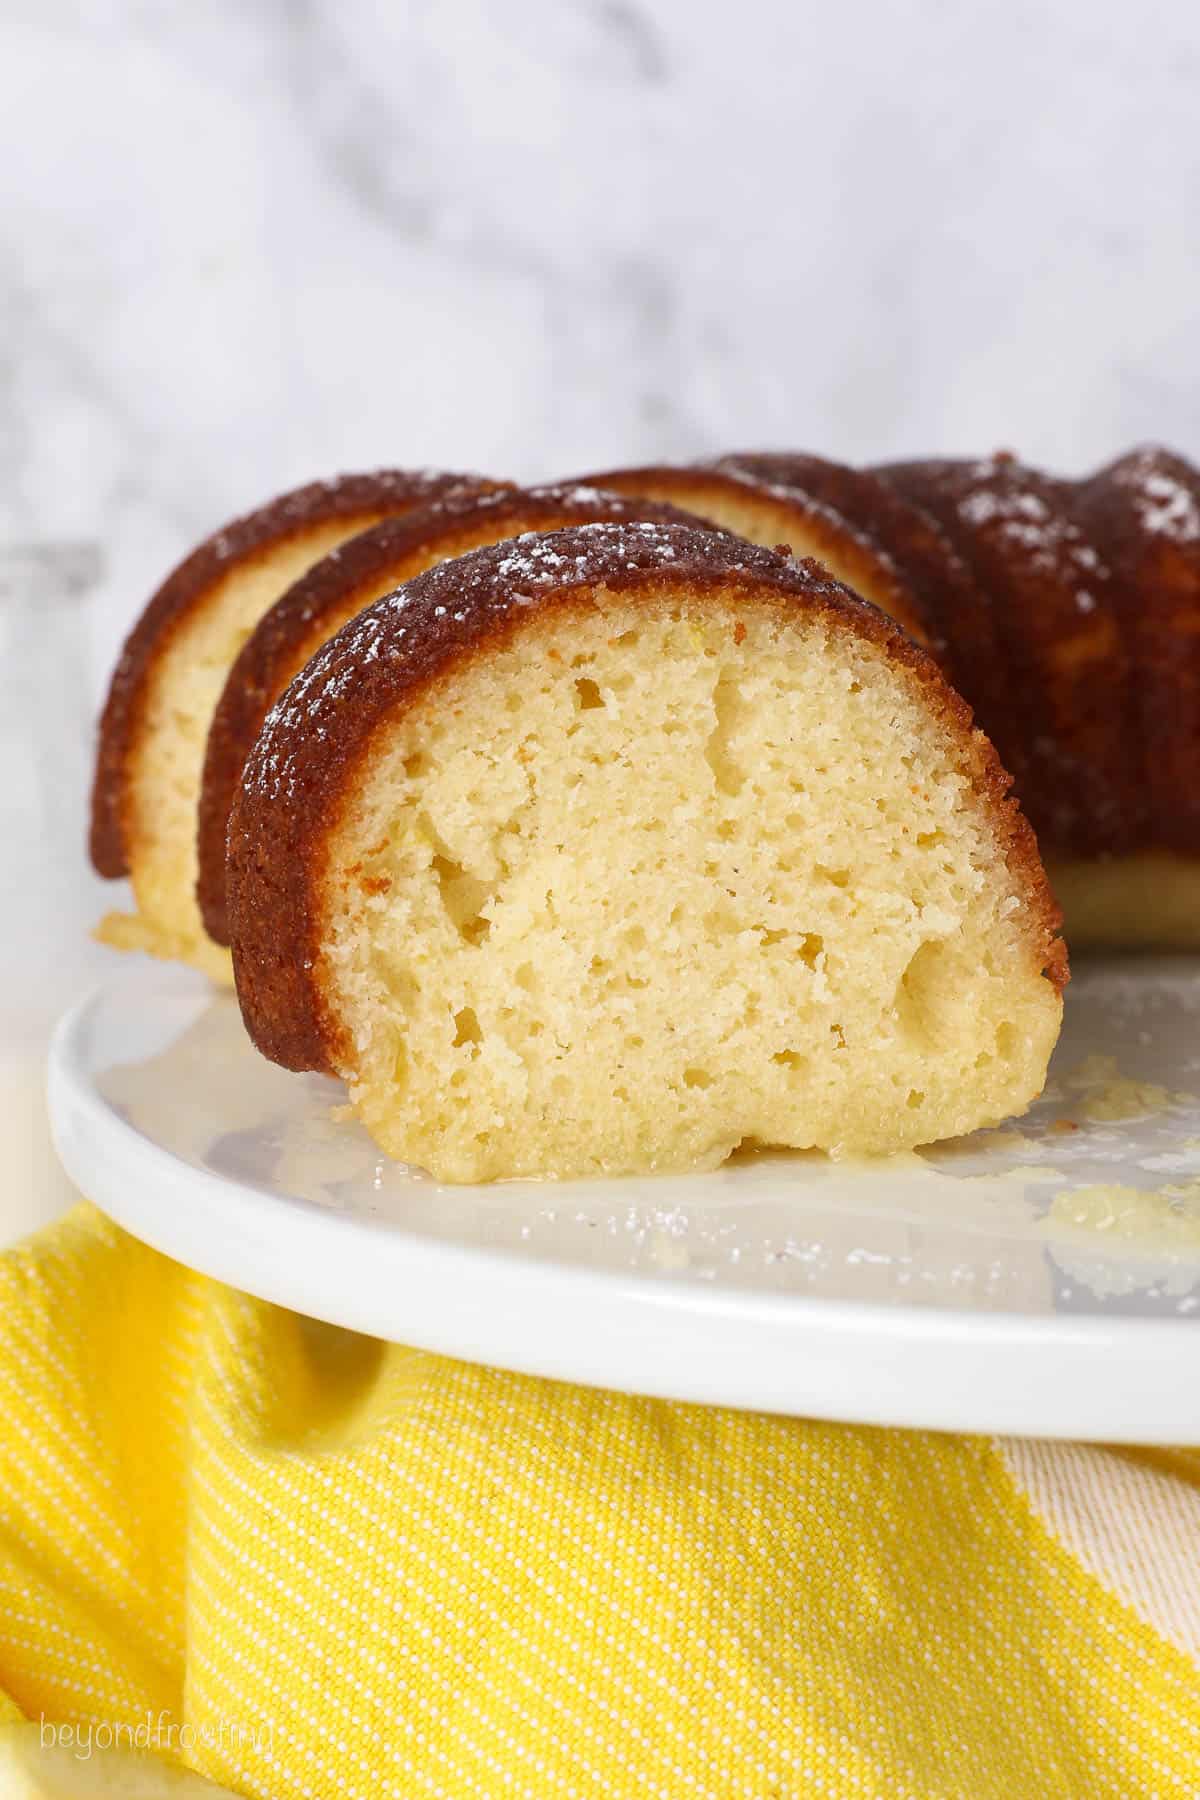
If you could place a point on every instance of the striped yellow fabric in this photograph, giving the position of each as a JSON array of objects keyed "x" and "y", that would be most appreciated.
[{"x": 319, "y": 1566}]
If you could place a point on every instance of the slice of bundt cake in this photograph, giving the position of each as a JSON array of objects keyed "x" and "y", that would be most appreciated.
[
  {"x": 956, "y": 622},
  {"x": 168, "y": 679},
  {"x": 752, "y": 496},
  {"x": 616, "y": 847},
  {"x": 330, "y": 593}
]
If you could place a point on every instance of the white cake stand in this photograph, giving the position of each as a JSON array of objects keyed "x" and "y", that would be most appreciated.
[{"x": 931, "y": 1290}]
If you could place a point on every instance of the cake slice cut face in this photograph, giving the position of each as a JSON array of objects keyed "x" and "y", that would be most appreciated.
[
  {"x": 615, "y": 848},
  {"x": 168, "y": 679}
]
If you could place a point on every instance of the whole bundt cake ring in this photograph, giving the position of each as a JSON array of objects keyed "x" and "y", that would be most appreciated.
[
  {"x": 611, "y": 848},
  {"x": 168, "y": 678},
  {"x": 330, "y": 593}
]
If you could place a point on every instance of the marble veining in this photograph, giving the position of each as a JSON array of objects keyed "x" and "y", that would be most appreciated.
[{"x": 241, "y": 246}]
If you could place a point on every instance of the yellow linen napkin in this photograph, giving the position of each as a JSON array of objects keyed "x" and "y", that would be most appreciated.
[{"x": 313, "y": 1565}]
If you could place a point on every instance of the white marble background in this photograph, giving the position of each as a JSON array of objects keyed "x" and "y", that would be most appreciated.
[{"x": 250, "y": 241}]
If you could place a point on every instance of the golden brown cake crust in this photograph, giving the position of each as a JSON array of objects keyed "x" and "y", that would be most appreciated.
[
  {"x": 1143, "y": 511},
  {"x": 394, "y": 551},
  {"x": 384, "y": 659},
  {"x": 369, "y": 496},
  {"x": 1058, "y": 698}
]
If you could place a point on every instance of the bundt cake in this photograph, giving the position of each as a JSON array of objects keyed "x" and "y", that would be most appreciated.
[
  {"x": 619, "y": 846},
  {"x": 330, "y": 593},
  {"x": 1066, "y": 613},
  {"x": 170, "y": 675}
]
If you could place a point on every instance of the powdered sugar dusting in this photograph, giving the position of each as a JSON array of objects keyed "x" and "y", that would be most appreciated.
[
  {"x": 1166, "y": 506},
  {"x": 1172, "y": 511},
  {"x": 579, "y": 493},
  {"x": 533, "y": 558},
  {"x": 384, "y": 484},
  {"x": 1049, "y": 540}
]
